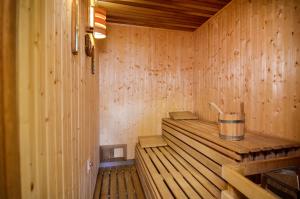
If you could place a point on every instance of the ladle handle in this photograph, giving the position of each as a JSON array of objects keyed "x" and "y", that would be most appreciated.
[{"x": 215, "y": 107}]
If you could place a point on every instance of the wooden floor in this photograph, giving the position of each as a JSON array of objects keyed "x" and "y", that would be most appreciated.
[{"x": 119, "y": 182}]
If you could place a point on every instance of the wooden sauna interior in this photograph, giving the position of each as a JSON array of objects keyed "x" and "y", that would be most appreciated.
[{"x": 158, "y": 57}]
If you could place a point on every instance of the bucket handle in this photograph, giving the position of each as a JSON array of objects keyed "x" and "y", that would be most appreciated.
[{"x": 211, "y": 104}]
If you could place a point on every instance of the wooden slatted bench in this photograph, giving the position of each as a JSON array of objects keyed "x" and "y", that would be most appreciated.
[
  {"x": 165, "y": 174},
  {"x": 253, "y": 147},
  {"x": 191, "y": 165}
]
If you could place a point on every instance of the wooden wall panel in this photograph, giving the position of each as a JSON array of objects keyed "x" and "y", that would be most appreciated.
[
  {"x": 10, "y": 183},
  {"x": 144, "y": 74},
  {"x": 250, "y": 52},
  {"x": 58, "y": 101}
]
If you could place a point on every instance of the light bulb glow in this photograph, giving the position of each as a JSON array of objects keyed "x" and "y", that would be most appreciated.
[{"x": 98, "y": 35}]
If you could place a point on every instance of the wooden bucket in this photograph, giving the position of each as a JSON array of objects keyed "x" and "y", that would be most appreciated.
[{"x": 231, "y": 125}]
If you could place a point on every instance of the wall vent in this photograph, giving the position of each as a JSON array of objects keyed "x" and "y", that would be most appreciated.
[{"x": 112, "y": 153}]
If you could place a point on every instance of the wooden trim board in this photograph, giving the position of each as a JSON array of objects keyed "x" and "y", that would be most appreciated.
[
  {"x": 10, "y": 174},
  {"x": 244, "y": 185},
  {"x": 262, "y": 166}
]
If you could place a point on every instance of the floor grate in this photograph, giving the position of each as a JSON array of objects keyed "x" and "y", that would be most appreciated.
[{"x": 118, "y": 183}]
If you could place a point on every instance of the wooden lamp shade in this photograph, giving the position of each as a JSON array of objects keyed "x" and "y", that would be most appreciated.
[{"x": 100, "y": 23}]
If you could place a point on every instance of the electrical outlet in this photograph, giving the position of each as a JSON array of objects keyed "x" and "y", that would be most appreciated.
[{"x": 89, "y": 165}]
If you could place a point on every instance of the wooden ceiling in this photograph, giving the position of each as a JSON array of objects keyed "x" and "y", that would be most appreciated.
[{"x": 185, "y": 15}]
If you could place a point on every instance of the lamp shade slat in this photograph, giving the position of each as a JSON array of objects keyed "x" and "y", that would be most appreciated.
[
  {"x": 99, "y": 10},
  {"x": 100, "y": 23}
]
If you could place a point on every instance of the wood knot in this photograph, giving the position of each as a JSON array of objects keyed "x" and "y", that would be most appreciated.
[{"x": 31, "y": 186}]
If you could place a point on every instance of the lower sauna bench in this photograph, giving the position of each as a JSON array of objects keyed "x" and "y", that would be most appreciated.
[
  {"x": 118, "y": 182},
  {"x": 166, "y": 174}
]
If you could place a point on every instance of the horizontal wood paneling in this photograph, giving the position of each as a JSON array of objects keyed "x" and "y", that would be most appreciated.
[
  {"x": 144, "y": 74},
  {"x": 58, "y": 101},
  {"x": 250, "y": 52}
]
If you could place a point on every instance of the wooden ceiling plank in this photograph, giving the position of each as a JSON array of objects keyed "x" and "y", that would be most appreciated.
[
  {"x": 161, "y": 22},
  {"x": 109, "y": 6},
  {"x": 219, "y": 2},
  {"x": 190, "y": 3},
  {"x": 114, "y": 11},
  {"x": 206, "y": 3},
  {"x": 165, "y": 7},
  {"x": 154, "y": 19},
  {"x": 153, "y": 25},
  {"x": 196, "y": 6}
]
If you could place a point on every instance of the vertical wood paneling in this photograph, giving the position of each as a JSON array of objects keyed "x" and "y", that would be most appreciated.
[
  {"x": 10, "y": 183},
  {"x": 247, "y": 52},
  {"x": 59, "y": 106},
  {"x": 250, "y": 52},
  {"x": 144, "y": 74}
]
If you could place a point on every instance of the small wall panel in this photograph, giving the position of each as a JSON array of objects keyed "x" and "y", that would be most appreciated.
[
  {"x": 144, "y": 74},
  {"x": 250, "y": 52},
  {"x": 58, "y": 102}
]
